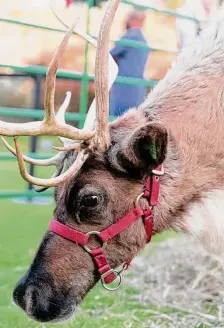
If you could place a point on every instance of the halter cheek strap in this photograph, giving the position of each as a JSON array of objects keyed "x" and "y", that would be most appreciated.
[{"x": 108, "y": 275}]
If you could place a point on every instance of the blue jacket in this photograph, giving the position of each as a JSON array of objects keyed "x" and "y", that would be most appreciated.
[{"x": 131, "y": 63}]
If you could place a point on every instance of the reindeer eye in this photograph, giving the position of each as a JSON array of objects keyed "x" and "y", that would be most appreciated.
[{"x": 89, "y": 201}]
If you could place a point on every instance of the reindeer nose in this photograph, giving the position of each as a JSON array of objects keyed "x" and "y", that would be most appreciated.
[{"x": 36, "y": 301}]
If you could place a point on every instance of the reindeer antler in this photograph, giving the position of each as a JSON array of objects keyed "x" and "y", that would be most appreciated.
[
  {"x": 55, "y": 125},
  {"x": 101, "y": 77}
]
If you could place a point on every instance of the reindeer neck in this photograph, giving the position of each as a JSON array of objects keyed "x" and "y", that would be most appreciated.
[
  {"x": 194, "y": 115},
  {"x": 190, "y": 103}
]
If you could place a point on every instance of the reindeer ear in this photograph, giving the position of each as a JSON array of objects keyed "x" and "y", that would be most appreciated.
[{"x": 146, "y": 147}]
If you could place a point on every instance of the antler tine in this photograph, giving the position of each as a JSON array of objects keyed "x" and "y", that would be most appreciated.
[
  {"x": 55, "y": 159},
  {"x": 102, "y": 137},
  {"x": 60, "y": 116},
  {"x": 58, "y": 171},
  {"x": 113, "y": 69},
  {"x": 51, "y": 78},
  {"x": 41, "y": 162},
  {"x": 82, "y": 34},
  {"x": 49, "y": 126},
  {"x": 52, "y": 182}
]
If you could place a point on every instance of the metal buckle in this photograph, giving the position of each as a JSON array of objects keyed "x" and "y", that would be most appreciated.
[
  {"x": 118, "y": 275},
  {"x": 97, "y": 233},
  {"x": 157, "y": 172}
]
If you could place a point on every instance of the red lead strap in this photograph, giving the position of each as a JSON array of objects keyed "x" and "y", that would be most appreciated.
[{"x": 108, "y": 275}]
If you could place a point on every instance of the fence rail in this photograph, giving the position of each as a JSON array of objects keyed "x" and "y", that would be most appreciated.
[
  {"x": 37, "y": 70},
  {"x": 35, "y": 113},
  {"x": 11, "y": 157},
  {"x": 25, "y": 194}
]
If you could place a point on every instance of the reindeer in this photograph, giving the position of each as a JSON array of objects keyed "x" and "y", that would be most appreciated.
[{"x": 158, "y": 167}]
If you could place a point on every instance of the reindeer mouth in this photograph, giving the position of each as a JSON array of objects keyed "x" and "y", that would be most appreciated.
[
  {"x": 43, "y": 303},
  {"x": 65, "y": 314}
]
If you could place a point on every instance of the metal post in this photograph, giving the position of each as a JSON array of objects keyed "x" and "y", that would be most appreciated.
[
  {"x": 33, "y": 139},
  {"x": 33, "y": 148},
  {"x": 85, "y": 81}
]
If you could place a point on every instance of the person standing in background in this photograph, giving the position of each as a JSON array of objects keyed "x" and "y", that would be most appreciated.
[
  {"x": 202, "y": 11},
  {"x": 131, "y": 63}
]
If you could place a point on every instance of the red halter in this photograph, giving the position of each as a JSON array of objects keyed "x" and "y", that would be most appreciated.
[{"x": 108, "y": 275}]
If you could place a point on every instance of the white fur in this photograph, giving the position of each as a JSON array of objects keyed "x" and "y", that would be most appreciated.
[{"x": 205, "y": 221}]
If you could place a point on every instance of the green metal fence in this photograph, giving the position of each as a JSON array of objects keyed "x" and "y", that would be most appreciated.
[{"x": 39, "y": 72}]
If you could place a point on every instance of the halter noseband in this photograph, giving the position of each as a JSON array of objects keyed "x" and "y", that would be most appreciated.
[{"x": 108, "y": 275}]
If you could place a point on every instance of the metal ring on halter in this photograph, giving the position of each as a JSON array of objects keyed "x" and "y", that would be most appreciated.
[
  {"x": 97, "y": 233},
  {"x": 138, "y": 199},
  {"x": 118, "y": 275}
]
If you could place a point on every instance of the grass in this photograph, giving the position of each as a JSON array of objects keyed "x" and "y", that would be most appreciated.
[{"x": 22, "y": 227}]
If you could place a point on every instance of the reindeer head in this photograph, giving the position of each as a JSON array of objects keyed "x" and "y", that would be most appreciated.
[{"x": 102, "y": 183}]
